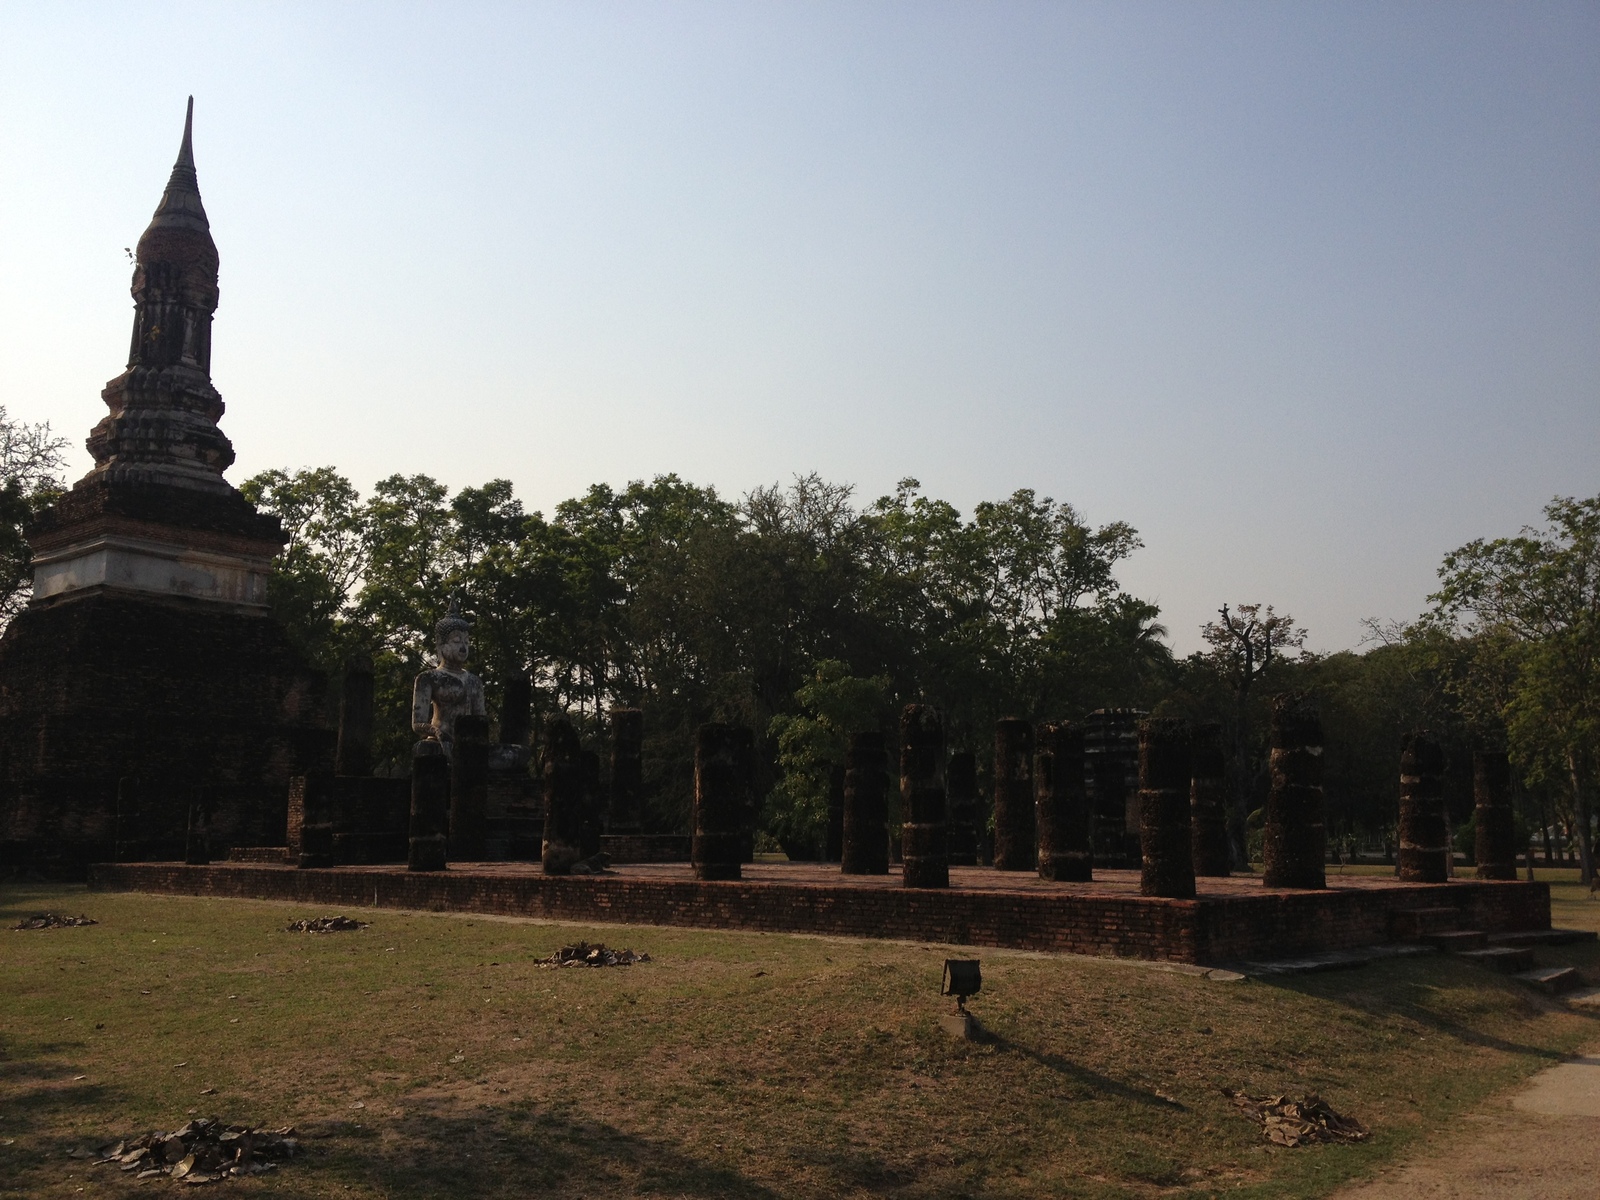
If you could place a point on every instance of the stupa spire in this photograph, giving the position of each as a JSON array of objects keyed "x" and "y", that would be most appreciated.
[
  {"x": 180, "y": 206},
  {"x": 164, "y": 411}
]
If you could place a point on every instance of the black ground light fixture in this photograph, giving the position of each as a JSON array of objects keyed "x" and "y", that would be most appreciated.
[{"x": 962, "y": 978}]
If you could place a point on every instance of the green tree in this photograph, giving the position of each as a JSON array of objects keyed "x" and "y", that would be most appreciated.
[
  {"x": 30, "y": 479},
  {"x": 1541, "y": 590},
  {"x": 811, "y": 745},
  {"x": 1245, "y": 645},
  {"x": 316, "y": 575}
]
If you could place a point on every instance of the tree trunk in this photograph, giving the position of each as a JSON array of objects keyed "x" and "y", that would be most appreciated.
[{"x": 1580, "y": 802}]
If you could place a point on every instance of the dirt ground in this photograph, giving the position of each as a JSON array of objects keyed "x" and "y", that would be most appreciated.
[{"x": 1541, "y": 1141}]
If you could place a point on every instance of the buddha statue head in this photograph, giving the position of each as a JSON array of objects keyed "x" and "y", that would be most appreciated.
[{"x": 451, "y": 640}]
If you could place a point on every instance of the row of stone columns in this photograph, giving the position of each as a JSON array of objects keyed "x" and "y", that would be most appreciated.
[
  {"x": 1043, "y": 816},
  {"x": 449, "y": 796},
  {"x": 1182, "y": 825},
  {"x": 1177, "y": 837},
  {"x": 1425, "y": 849}
]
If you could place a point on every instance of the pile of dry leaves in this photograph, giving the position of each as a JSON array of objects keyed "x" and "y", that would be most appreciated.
[
  {"x": 203, "y": 1151},
  {"x": 1299, "y": 1122},
  {"x": 50, "y": 920},
  {"x": 327, "y": 925},
  {"x": 585, "y": 955}
]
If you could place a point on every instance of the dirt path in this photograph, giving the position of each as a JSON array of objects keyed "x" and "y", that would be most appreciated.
[{"x": 1541, "y": 1142}]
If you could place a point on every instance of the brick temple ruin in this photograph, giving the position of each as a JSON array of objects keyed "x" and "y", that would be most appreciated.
[
  {"x": 148, "y": 676},
  {"x": 1178, "y": 905},
  {"x": 160, "y": 733}
]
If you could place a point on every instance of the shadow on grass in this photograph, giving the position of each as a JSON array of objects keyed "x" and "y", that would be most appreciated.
[
  {"x": 1395, "y": 997},
  {"x": 1083, "y": 1076},
  {"x": 511, "y": 1151},
  {"x": 508, "y": 1151},
  {"x": 43, "y": 1097}
]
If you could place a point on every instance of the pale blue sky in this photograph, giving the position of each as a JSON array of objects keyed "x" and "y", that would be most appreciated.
[{"x": 1310, "y": 294}]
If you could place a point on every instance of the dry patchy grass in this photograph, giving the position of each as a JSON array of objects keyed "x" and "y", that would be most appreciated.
[{"x": 739, "y": 1065}]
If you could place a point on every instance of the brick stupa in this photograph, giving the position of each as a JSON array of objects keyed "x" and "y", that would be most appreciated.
[{"x": 148, "y": 662}]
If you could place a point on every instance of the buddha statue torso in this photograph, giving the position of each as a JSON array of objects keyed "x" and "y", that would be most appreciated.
[{"x": 448, "y": 690}]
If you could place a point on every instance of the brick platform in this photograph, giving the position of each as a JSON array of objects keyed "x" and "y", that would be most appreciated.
[{"x": 1231, "y": 919}]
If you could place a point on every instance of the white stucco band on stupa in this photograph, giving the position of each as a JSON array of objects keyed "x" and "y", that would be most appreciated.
[{"x": 161, "y": 568}]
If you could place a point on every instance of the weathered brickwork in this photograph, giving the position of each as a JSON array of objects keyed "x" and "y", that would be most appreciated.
[{"x": 1207, "y": 930}]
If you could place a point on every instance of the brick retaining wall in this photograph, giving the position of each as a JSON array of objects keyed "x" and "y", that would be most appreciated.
[{"x": 1207, "y": 930}]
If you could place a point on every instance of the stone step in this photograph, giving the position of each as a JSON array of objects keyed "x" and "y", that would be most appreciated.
[
  {"x": 1506, "y": 959},
  {"x": 1413, "y": 924},
  {"x": 1552, "y": 980},
  {"x": 1542, "y": 937},
  {"x": 1330, "y": 960},
  {"x": 1587, "y": 999},
  {"x": 1457, "y": 940}
]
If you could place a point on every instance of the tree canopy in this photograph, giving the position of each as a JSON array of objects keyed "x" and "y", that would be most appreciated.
[{"x": 798, "y": 611}]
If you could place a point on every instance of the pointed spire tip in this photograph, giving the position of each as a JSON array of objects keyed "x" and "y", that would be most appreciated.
[{"x": 186, "y": 151}]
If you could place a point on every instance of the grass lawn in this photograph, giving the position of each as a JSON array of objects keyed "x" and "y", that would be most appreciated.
[{"x": 428, "y": 1056}]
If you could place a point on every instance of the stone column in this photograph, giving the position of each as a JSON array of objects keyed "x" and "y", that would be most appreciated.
[
  {"x": 593, "y": 805},
  {"x": 745, "y": 739},
  {"x": 315, "y": 805},
  {"x": 197, "y": 840},
  {"x": 866, "y": 806},
  {"x": 627, "y": 770},
  {"x": 354, "y": 753},
  {"x": 1295, "y": 847},
  {"x": 922, "y": 798},
  {"x": 1496, "y": 849},
  {"x": 833, "y": 851},
  {"x": 469, "y": 789},
  {"x": 719, "y": 792},
  {"x": 563, "y": 798},
  {"x": 1013, "y": 796},
  {"x": 516, "y": 710},
  {"x": 1062, "y": 814},
  {"x": 961, "y": 785},
  {"x": 1164, "y": 838},
  {"x": 430, "y": 807},
  {"x": 129, "y": 846},
  {"x": 1208, "y": 801},
  {"x": 1424, "y": 846}
]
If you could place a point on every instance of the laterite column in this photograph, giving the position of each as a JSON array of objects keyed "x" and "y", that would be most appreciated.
[
  {"x": 354, "y": 753},
  {"x": 197, "y": 841},
  {"x": 592, "y": 807},
  {"x": 1497, "y": 831},
  {"x": 1013, "y": 796},
  {"x": 961, "y": 787},
  {"x": 1295, "y": 846},
  {"x": 1424, "y": 847},
  {"x": 516, "y": 710},
  {"x": 745, "y": 739},
  {"x": 833, "y": 840},
  {"x": 866, "y": 806},
  {"x": 922, "y": 797},
  {"x": 129, "y": 845},
  {"x": 1062, "y": 815},
  {"x": 563, "y": 798},
  {"x": 430, "y": 807},
  {"x": 1208, "y": 801},
  {"x": 1164, "y": 839},
  {"x": 316, "y": 804},
  {"x": 469, "y": 789},
  {"x": 627, "y": 770},
  {"x": 718, "y": 802}
]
